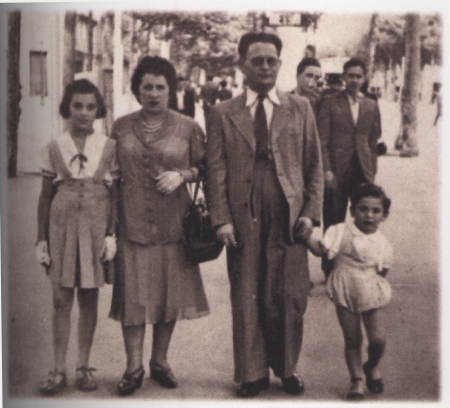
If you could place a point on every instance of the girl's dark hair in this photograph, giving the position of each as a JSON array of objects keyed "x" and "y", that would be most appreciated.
[
  {"x": 81, "y": 86},
  {"x": 370, "y": 190},
  {"x": 156, "y": 66}
]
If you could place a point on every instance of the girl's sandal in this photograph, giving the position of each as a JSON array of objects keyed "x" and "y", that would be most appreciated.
[
  {"x": 55, "y": 383},
  {"x": 356, "y": 391},
  {"x": 130, "y": 382},
  {"x": 85, "y": 381},
  {"x": 374, "y": 385}
]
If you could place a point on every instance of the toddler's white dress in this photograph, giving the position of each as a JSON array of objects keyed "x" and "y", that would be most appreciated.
[{"x": 354, "y": 282}]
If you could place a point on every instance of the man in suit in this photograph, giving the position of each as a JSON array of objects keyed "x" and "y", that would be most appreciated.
[
  {"x": 265, "y": 185},
  {"x": 208, "y": 94},
  {"x": 309, "y": 80},
  {"x": 349, "y": 128},
  {"x": 185, "y": 98}
]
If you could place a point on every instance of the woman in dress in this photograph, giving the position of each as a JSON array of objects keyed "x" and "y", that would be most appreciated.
[
  {"x": 159, "y": 151},
  {"x": 77, "y": 218}
]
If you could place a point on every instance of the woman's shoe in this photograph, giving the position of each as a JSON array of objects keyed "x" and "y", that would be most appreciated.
[
  {"x": 374, "y": 385},
  {"x": 130, "y": 382},
  {"x": 85, "y": 381},
  {"x": 163, "y": 375},
  {"x": 55, "y": 383},
  {"x": 356, "y": 391}
]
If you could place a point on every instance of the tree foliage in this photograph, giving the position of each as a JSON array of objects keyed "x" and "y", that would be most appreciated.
[
  {"x": 205, "y": 40},
  {"x": 389, "y": 39}
]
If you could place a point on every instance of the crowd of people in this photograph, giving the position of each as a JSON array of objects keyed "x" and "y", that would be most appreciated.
[{"x": 279, "y": 168}]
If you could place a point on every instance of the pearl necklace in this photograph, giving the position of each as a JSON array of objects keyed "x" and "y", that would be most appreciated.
[{"x": 152, "y": 128}]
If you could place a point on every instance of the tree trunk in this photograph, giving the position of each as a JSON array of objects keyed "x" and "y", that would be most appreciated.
[
  {"x": 407, "y": 139},
  {"x": 372, "y": 46},
  {"x": 14, "y": 95}
]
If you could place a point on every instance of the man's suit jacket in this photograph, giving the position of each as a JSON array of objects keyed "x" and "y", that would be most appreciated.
[
  {"x": 189, "y": 103},
  {"x": 340, "y": 137},
  {"x": 230, "y": 158}
]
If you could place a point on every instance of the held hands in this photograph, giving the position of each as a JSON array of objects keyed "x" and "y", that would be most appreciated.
[
  {"x": 303, "y": 228},
  {"x": 225, "y": 234},
  {"x": 42, "y": 255},
  {"x": 168, "y": 182},
  {"x": 109, "y": 249}
]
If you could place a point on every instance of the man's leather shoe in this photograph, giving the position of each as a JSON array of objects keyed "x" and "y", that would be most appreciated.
[
  {"x": 252, "y": 388},
  {"x": 293, "y": 385}
]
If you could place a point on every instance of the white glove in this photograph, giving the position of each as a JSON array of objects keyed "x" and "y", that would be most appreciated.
[
  {"x": 109, "y": 249},
  {"x": 42, "y": 255}
]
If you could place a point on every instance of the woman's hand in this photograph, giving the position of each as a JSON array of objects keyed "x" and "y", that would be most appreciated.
[
  {"x": 168, "y": 182},
  {"x": 42, "y": 255},
  {"x": 109, "y": 249}
]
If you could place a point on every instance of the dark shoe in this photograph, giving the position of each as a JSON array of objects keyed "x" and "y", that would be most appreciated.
[
  {"x": 293, "y": 385},
  {"x": 252, "y": 388},
  {"x": 263, "y": 383},
  {"x": 55, "y": 383},
  {"x": 85, "y": 381},
  {"x": 130, "y": 382},
  {"x": 356, "y": 391},
  {"x": 163, "y": 375},
  {"x": 374, "y": 385}
]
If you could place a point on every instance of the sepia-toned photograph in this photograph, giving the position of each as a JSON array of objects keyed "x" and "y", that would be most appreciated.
[{"x": 228, "y": 206}]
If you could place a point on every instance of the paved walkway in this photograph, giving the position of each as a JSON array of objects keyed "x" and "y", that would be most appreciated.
[{"x": 201, "y": 350}]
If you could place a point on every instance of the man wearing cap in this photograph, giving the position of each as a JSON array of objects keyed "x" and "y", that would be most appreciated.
[
  {"x": 265, "y": 185},
  {"x": 334, "y": 83}
]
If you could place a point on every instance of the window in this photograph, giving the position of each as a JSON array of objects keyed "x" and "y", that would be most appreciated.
[
  {"x": 84, "y": 43},
  {"x": 38, "y": 73}
]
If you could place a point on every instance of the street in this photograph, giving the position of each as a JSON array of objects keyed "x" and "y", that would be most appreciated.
[{"x": 201, "y": 351}]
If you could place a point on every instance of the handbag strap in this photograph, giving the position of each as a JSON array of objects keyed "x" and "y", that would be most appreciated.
[{"x": 197, "y": 187}]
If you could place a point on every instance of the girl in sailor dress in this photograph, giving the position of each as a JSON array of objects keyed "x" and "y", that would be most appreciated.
[
  {"x": 77, "y": 218},
  {"x": 357, "y": 286}
]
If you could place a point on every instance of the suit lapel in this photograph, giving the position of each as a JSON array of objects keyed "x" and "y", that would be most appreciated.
[
  {"x": 362, "y": 110},
  {"x": 241, "y": 117},
  {"x": 280, "y": 117},
  {"x": 345, "y": 103}
]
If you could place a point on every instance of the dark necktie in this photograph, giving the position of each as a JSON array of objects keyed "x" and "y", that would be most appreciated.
[{"x": 261, "y": 130}]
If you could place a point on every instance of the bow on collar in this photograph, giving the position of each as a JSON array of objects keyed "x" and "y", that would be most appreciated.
[{"x": 82, "y": 159}]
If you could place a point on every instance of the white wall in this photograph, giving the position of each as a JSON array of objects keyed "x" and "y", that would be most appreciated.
[
  {"x": 293, "y": 51},
  {"x": 39, "y": 119}
]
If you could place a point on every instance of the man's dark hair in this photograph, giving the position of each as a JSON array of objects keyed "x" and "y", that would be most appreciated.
[
  {"x": 157, "y": 66},
  {"x": 262, "y": 37},
  {"x": 355, "y": 62},
  {"x": 81, "y": 86},
  {"x": 370, "y": 190},
  {"x": 307, "y": 62}
]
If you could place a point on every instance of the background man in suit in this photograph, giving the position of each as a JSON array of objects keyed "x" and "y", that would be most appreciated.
[
  {"x": 309, "y": 80},
  {"x": 349, "y": 128},
  {"x": 263, "y": 187},
  {"x": 185, "y": 98},
  {"x": 208, "y": 94}
]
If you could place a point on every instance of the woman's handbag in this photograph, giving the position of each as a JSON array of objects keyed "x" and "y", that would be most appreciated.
[{"x": 200, "y": 237}]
